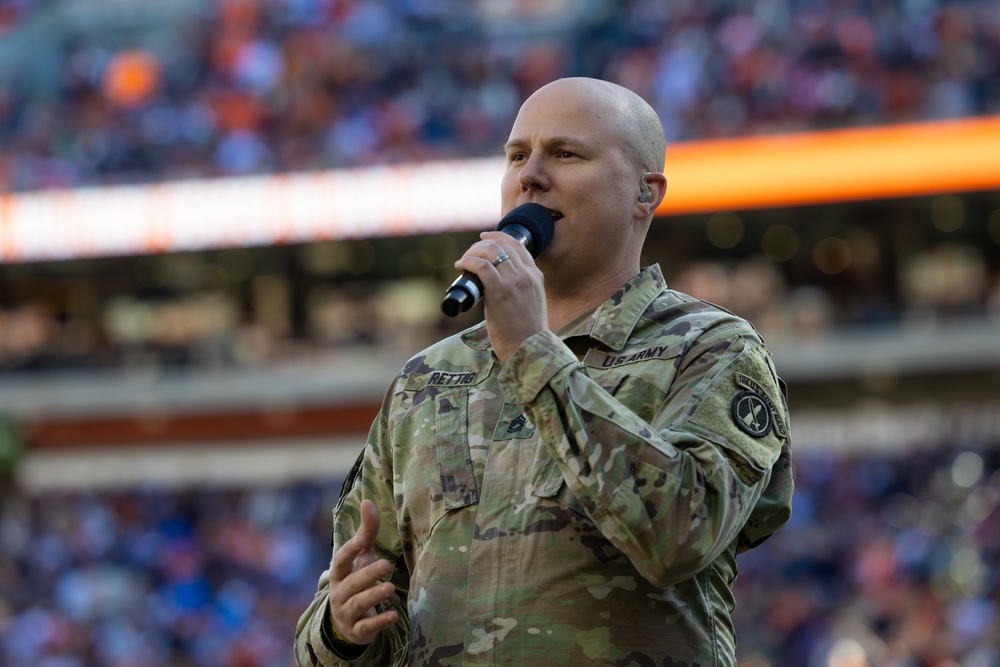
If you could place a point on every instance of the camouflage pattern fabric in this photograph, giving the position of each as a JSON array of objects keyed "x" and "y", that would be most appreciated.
[{"x": 584, "y": 504}]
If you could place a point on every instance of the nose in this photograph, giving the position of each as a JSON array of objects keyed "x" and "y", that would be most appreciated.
[{"x": 533, "y": 175}]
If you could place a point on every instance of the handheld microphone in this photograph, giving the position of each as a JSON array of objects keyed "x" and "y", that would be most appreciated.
[{"x": 531, "y": 225}]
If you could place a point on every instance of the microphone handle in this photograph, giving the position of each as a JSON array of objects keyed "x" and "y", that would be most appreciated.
[{"x": 467, "y": 291}]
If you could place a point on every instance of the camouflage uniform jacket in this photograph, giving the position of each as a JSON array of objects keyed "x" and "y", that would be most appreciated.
[{"x": 583, "y": 504}]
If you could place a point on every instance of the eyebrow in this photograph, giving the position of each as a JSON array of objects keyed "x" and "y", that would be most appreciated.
[{"x": 551, "y": 142}]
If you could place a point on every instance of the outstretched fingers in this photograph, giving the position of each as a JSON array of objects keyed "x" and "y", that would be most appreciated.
[{"x": 355, "y": 586}]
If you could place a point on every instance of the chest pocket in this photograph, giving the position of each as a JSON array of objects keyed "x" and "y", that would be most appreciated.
[
  {"x": 636, "y": 393},
  {"x": 640, "y": 387},
  {"x": 433, "y": 469},
  {"x": 640, "y": 380},
  {"x": 457, "y": 479}
]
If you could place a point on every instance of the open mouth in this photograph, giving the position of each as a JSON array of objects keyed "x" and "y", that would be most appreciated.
[{"x": 556, "y": 215}]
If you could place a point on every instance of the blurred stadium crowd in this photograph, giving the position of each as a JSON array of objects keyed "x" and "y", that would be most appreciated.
[
  {"x": 890, "y": 561},
  {"x": 253, "y": 86},
  {"x": 152, "y": 577}
]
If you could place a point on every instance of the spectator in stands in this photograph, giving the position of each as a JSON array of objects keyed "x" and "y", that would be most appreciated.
[{"x": 524, "y": 491}]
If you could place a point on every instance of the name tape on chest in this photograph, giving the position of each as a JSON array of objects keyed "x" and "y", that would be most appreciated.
[
  {"x": 425, "y": 378},
  {"x": 445, "y": 379}
]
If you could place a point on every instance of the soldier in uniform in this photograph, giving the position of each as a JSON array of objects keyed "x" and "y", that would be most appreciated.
[{"x": 570, "y": 481}]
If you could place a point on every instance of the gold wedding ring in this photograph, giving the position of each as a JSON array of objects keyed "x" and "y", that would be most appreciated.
[{"x": 501, "y": 258}]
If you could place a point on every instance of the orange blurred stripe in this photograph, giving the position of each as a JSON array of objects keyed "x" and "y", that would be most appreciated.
[{"x": 834, "y": 165}]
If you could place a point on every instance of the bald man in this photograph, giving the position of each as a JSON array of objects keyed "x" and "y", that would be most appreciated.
[{"x": 570, "y": 481}]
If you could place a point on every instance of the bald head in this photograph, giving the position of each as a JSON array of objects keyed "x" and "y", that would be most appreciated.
[{"x": 636, "y": 122}]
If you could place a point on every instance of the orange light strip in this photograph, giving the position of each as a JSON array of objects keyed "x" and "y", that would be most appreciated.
[
  {"x": 831, "y": 166},
  {"x": 753, "y": 172}
]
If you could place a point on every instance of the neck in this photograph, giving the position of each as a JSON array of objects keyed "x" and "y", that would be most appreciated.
[{"x": 570, "y": 299}]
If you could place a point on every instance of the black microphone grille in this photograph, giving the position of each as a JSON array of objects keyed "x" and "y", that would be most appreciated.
[{"x": 537, "y": 220}]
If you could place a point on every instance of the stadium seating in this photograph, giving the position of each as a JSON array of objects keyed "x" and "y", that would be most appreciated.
[{"x": 883, "y": 316}]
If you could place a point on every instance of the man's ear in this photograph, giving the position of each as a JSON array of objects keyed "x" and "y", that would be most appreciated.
[{"x": 652, "y": 188}]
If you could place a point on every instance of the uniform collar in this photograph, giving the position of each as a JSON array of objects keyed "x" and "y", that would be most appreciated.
[{"x": 611, "y": 323}]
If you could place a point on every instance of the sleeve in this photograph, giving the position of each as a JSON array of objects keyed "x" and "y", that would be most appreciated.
[
  {"x": 673, "y": 493},
  {"x": 370, "y": 478}
]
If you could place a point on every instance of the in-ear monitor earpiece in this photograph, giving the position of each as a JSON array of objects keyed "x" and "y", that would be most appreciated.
[{"x": 645, "y": 195}]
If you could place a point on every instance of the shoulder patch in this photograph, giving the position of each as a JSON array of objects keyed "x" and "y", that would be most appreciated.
[
  {"x": 779, "y": 423},
  {"x": 751, "y": 413}
]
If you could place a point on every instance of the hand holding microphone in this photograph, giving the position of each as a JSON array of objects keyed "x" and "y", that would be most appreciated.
[{"x": 531, "y": 225}]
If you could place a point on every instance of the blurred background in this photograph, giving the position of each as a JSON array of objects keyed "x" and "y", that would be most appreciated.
[{"x": 177, "y": 415}]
